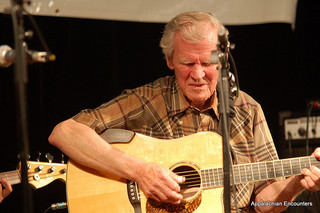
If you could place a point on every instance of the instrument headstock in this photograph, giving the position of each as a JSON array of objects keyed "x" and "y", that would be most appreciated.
[{"x": 41, "y": 173}]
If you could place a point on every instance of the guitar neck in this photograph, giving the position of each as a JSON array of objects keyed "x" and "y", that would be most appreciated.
[
  {"x": 252, "y": 172},
  {"x": 12, "y": 176}
]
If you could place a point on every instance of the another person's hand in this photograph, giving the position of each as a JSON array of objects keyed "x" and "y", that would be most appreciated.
[
  {"x": 4, "y": 192},
  {"x": 160, "y": 184},
  {"x": 311, "y": 179}
]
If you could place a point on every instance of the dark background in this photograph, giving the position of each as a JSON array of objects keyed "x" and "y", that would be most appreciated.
[{"x": 97, "y": 59}]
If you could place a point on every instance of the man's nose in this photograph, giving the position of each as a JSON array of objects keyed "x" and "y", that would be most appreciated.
[{"x": 197, "y": 72}]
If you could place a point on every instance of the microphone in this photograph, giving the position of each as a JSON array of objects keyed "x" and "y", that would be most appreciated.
[
  {"x": 56, "y": 206},
  {"x": 8, "y": 56},
  {"x": 223, "y": 39}
]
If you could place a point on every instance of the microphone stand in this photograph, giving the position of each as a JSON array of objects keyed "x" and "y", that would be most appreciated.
[
  {"x": 21, "y": 80},
  {"x": 220, "y": 57}
]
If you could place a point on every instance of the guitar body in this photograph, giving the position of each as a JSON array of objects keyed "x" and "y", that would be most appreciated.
[{"x": 91, "y": 191}]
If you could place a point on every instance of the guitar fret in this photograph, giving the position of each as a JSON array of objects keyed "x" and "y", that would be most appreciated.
[
  {"x": 263, "y": 171},
  {"x": 286, "y": 168},
  {"x": 232, "y": 177},
  {"x": 211, "y": 179},
  {"x": 220, "y": 176},
  {"x": 315, "y": 162},
  {"x": 265, "y": 164},
  {"x": 210, "y": 184},
  {"x": 203, "y": 179},
  {"x": 236, "y": 174},
  {"x": 278, "y": 171},
  {"x": 270, "y": 169},
  {"x": 239, "y": 171},
  {"x": 259, "y": 170},
  {"x": 243, "y": 174},
  {"x": 309, "y": 162},
  {"x": 300, "y": 164},
  {"x": 255, "y": 171},
  {"x": 274, "y": 171},
  {"x": 296, "y": 166},
  {"x": 251, "y": 171},
  {"x": 248, "y": 172},
  {"x": 305, "y": 163},
  {"x": 207, "y": 179}
]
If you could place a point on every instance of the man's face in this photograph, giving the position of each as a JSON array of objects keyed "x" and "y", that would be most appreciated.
[{"x": 196, "y": 75}]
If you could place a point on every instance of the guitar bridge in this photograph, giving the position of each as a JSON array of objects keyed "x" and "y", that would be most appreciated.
[{"x": 133, "y": 195}]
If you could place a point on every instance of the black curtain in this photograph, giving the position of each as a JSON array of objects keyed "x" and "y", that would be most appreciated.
[{"x": 97, "y": 59}]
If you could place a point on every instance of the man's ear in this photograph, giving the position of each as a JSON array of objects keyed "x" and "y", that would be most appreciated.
[{"x": 170, "y": 62}]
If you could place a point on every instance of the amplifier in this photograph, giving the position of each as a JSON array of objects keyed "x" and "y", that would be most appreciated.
[{"x": 296, "y": 128}]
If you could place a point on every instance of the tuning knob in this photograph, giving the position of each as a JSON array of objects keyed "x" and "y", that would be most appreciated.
[
  {"x": 63, "y": 171},
  {"x": 39, "y": 155},
  {"x": 62, "y": 158},
  {"x": 52, "y": 169},
  {"x": 22, "y": 156},
  {"x": 39, "y": 168},
  {"x": 49, "y": 157}
]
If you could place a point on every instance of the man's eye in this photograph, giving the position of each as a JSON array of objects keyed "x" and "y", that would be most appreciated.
[
  {"x": 207, "y": 64},
  {"x": 188, "y": 64}
]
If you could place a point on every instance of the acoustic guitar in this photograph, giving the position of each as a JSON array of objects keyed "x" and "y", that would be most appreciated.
[{"x": 198, "y": 157}]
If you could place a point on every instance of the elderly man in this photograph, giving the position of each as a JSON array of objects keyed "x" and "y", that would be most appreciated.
[{"x": 177, "y": 106}]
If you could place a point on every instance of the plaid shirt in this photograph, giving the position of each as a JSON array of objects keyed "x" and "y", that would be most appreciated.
[{"x": 160, "y": 110}]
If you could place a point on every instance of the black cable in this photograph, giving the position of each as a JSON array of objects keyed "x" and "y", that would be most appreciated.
[
  {"x": 51, "y": 56},
  {"x": 234, "y": 68},
  {"x": 57, "y": 206},
  {"x": 307, "y": 129},
  {"x": 47, "y": 209}
]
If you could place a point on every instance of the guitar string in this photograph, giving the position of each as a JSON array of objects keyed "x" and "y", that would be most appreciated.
[
  {"x": 270, "y": 168},
  {"x": 288, "y": 166},
  {"x": 11, "y": 176},
  {"x": 15, "y": 175}
]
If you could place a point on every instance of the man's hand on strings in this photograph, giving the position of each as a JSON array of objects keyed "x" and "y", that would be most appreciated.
[
  {"x": 311, "y": 179},
  {"x": 160, "y": 184}
]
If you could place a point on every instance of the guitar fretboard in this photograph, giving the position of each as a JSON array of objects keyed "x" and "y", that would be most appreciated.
[
  {"x": 252, "y": 172},
  {"x": 12, "y": 176}
]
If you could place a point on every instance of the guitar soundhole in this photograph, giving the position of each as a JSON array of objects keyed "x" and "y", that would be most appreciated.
[
  {"x": 193, "y": 181},
  {"x": 189, "y": 189}
]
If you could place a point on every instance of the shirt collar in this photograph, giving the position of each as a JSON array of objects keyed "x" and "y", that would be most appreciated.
[{"x": 178, "y": 102}]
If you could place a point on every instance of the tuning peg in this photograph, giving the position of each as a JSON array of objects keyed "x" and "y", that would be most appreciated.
[
  {"x": 21, "y": 156},
  {"x": 52, "y": 169},
  {"x": 49, "y": 157},
  {"x": 28, "y": 34},
  {"x": 39, "y": 155},
  {"x": 62, "y": 158}
]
